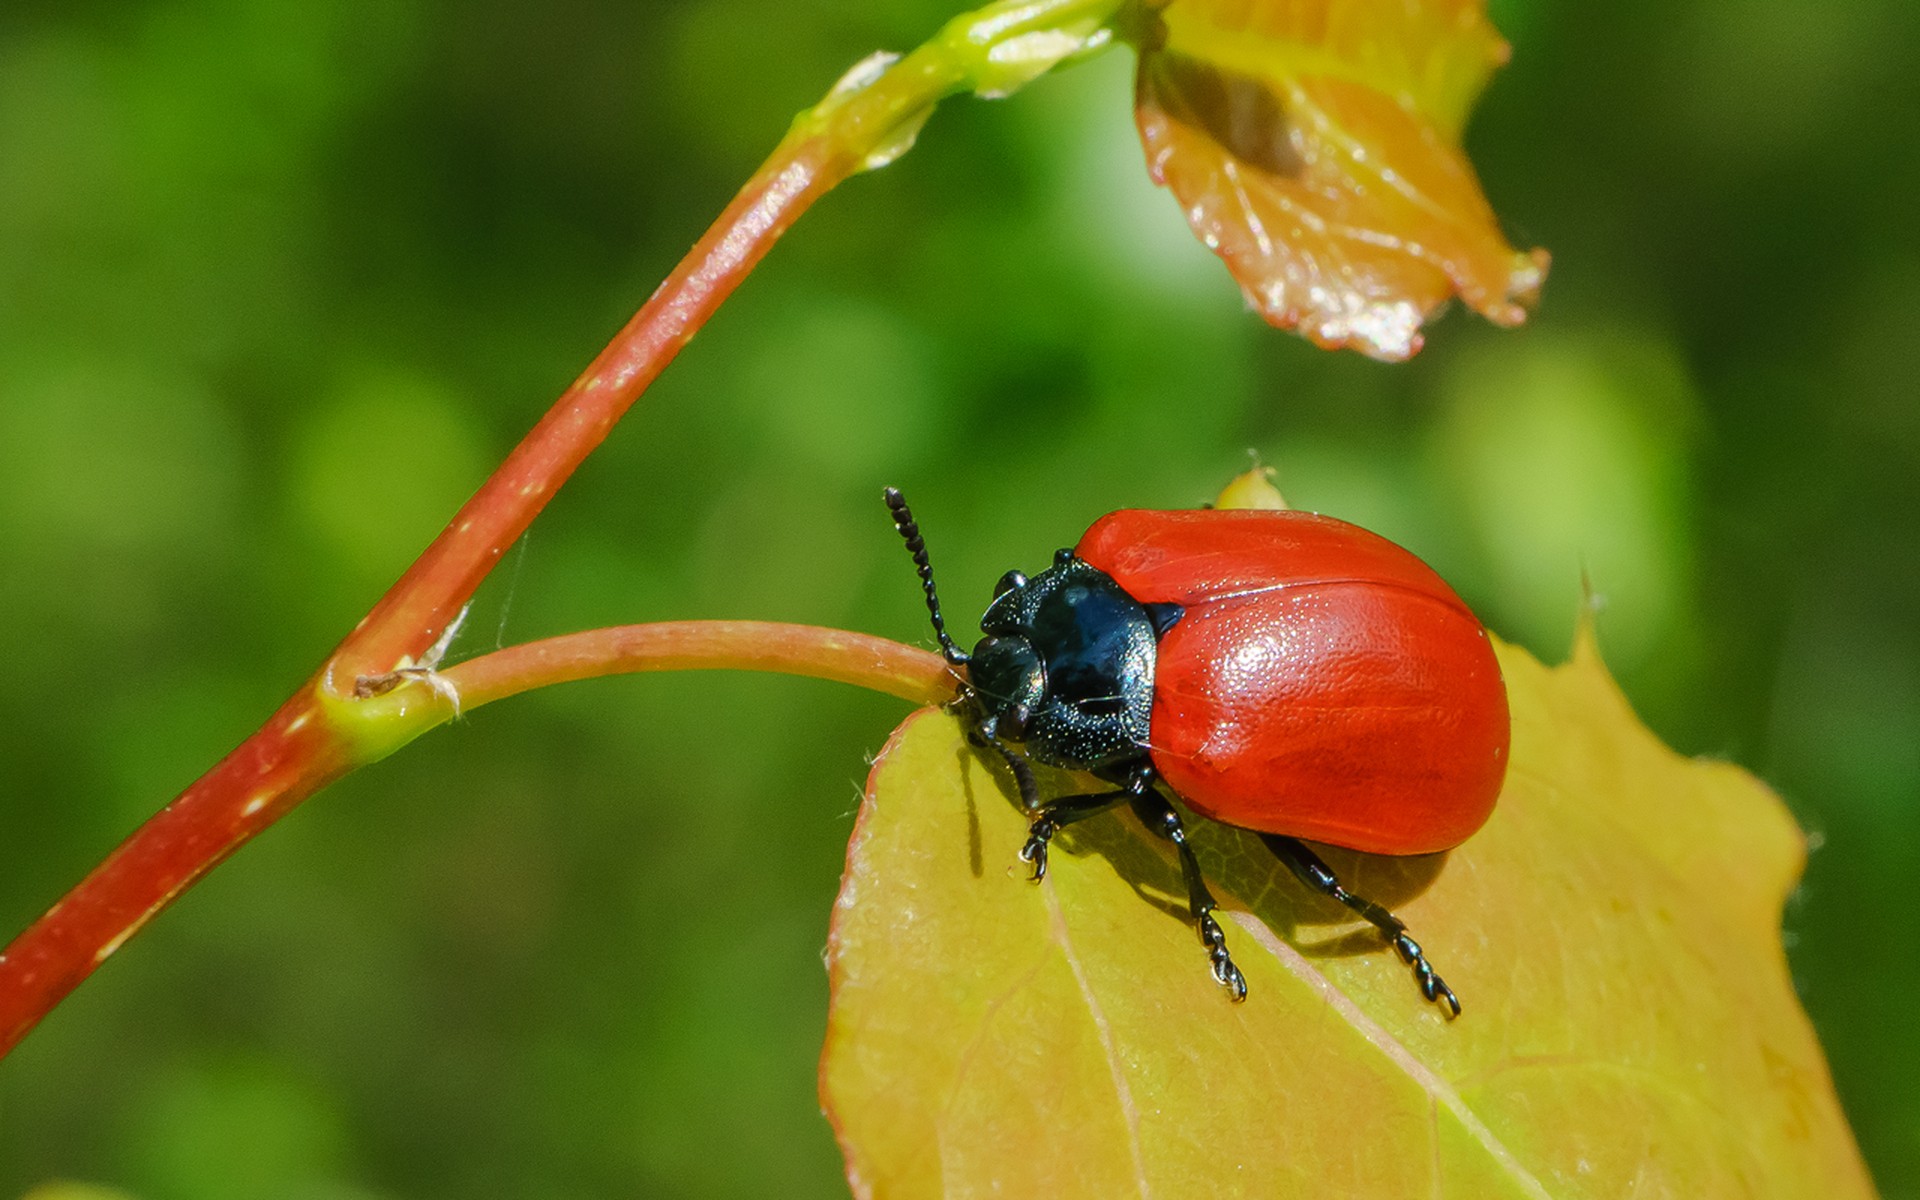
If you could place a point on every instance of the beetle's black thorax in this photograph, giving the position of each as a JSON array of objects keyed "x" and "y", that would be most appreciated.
[{"x": 1067, "y": 666}]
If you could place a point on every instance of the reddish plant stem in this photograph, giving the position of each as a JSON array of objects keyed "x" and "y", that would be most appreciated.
[
  {"x": 291, "y": 757},
  {"x": 416, "y": 610},
  {"x": 857, "y": 658}
]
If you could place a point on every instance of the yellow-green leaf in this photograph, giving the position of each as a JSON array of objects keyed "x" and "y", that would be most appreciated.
[
  {"x": 1315, "y": 146},
  {"x": 1629, "y": 1026}
]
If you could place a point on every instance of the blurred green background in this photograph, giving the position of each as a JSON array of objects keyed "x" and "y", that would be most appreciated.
[{"x": 278, "y": 283}]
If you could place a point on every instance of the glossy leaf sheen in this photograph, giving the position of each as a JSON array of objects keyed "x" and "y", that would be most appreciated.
[
  {"x": 1315, "y": 146},
  {"x": 1630, "y": 1028}
]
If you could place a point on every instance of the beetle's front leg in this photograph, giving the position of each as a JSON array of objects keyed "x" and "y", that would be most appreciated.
[{"x": 1050, "y": 818}]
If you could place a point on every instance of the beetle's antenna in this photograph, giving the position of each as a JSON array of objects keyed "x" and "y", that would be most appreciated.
[{"x": 903, "y": 521}]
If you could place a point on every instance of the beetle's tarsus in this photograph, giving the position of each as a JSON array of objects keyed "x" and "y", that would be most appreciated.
[
  {"x": 1432, "y": 986},
  {"x": 1034, "y": 852},
  {"x": 1224, "y": 972}
]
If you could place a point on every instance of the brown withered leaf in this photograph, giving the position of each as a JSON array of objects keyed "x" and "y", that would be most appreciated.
[{"x": 1315, "y": 146}]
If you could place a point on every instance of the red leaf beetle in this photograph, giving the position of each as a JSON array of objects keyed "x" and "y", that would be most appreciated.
[{"x": 1283, "y": 672}]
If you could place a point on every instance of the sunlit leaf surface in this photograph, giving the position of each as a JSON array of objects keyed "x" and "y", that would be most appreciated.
[
  {"x": 1315, "y": 146},
  {"x": 1630, "y": 1028}
]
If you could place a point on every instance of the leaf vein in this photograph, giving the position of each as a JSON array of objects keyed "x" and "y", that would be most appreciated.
[
  {"x": 1057, "y": 921},
  {"x": 1436, "y": 1088}
]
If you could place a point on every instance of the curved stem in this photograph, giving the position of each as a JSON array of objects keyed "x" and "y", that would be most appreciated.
[
  {"x": 316, "y": 737},
  {"x": 863, "y": 660},
  {"x": 401, "y": 705}
]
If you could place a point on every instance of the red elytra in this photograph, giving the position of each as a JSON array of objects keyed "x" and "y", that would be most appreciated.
[{"x": 1323, "y": 683}]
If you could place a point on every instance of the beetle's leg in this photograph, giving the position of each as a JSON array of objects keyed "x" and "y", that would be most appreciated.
[
  {"x": 1049, "y": 818},
  {"x": 1022, "y": 773},
  {"x": 1045, "y": 820},
  {"x": 1158, "y": 815},
  {"x": 1317, "y": 875}
]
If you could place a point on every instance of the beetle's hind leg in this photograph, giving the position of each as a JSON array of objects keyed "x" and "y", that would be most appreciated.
[
  {"x": 1158, "y": 816},
  {"x": 1310, "y": 870}
]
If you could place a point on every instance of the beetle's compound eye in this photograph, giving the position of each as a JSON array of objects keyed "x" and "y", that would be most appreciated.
[
  {"x": 1011, "y": 581},
  {"x": 1007, "y": 676},
  {"x": 1062, "y": 557}
]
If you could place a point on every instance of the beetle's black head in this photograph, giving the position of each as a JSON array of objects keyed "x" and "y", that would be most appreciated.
[{"x": 1066, "y": 666}]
